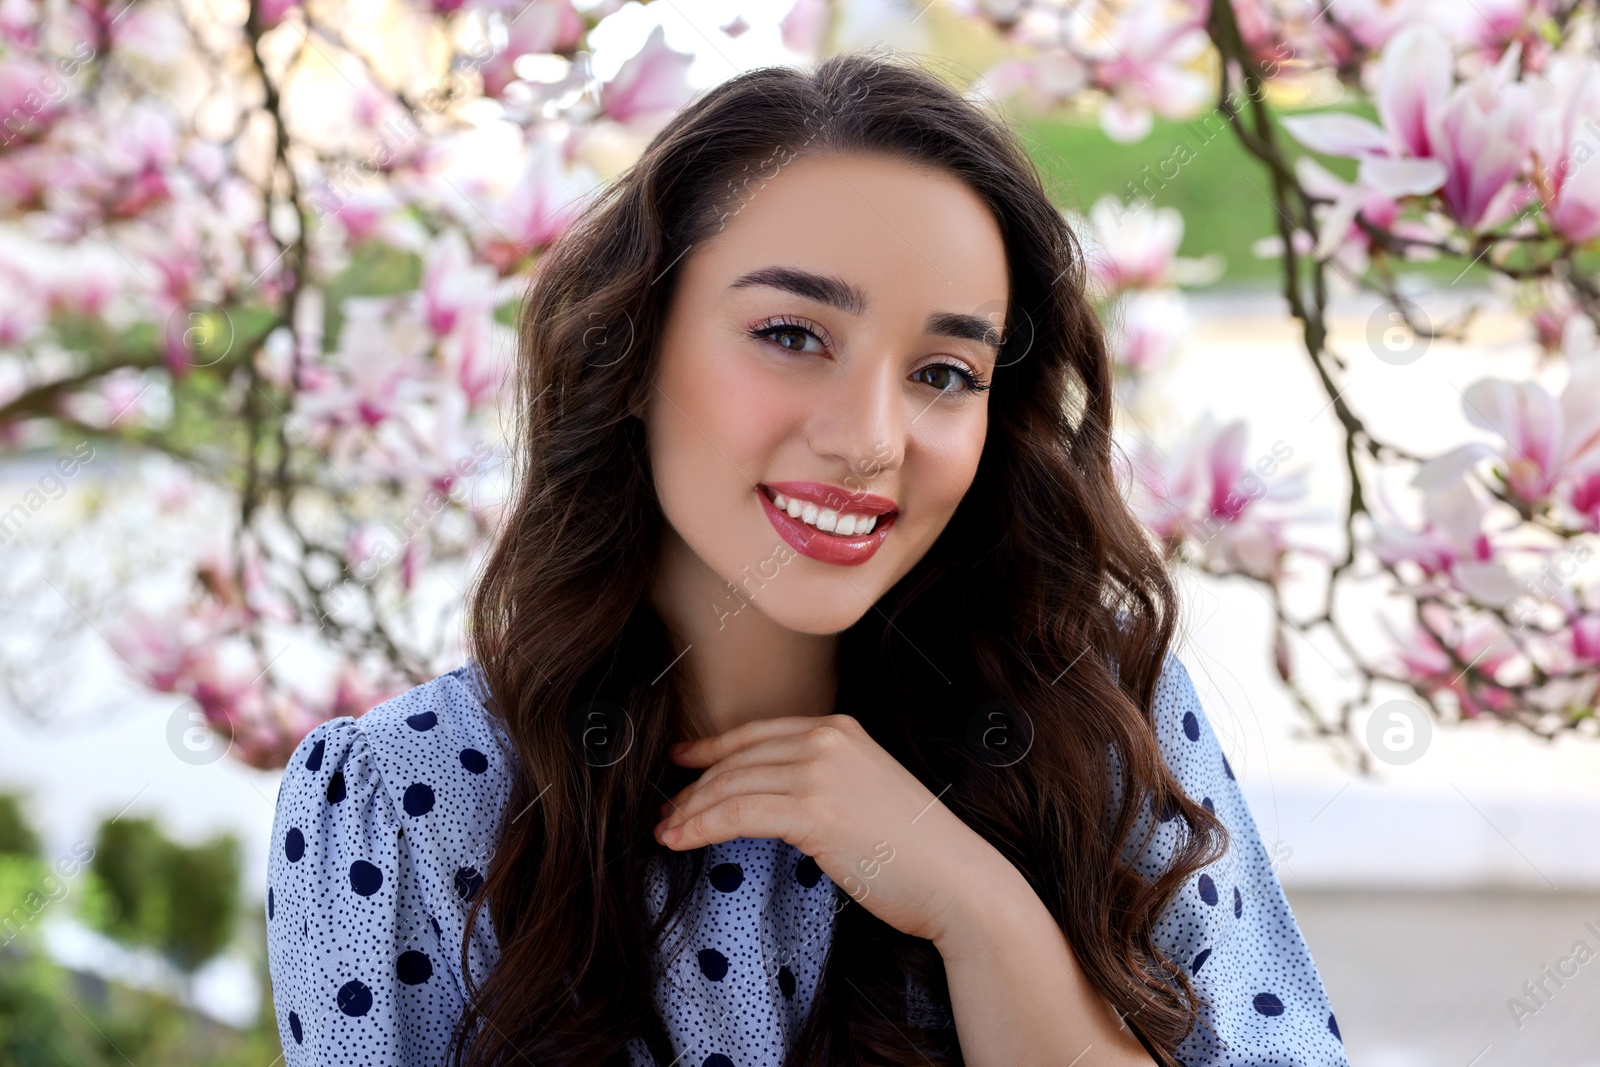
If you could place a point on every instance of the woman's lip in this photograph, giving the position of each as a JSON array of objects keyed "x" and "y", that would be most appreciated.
[
  {"x": 831, "y": 496},
  {"x": 821, "y": 546}
]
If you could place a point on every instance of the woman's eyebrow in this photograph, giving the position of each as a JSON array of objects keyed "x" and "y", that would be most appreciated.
[{"x": 840, "y": 294}]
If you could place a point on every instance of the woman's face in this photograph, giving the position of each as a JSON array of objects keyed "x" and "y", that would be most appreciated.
[{"x": 818, "y": 357}]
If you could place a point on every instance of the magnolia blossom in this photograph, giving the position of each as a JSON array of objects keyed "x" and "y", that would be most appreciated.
[
  {"x": 1207, "y": 493},
  {"x": 1547, "y": 442},
  {"x": 538, "y": 27},
  {"x": 1482, "y": 644},
  {"x": 1453, "y": 549},
  {"x": 1143, "y": 58},
  {"x": 1148, "y": 326},
  {"x": 1142, "y": 54},
  {"x": 1136, "y": 247},
  {"x": 1566, "y": 140},
  {"x": 1467, "y": 142},
  {"x": 651, "y": 85}
]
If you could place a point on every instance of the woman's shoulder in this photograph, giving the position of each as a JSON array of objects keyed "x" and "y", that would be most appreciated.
[{"x": 434, "y": 753}]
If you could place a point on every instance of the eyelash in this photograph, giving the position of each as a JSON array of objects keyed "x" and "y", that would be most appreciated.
[{"x": 765, "y": 331}]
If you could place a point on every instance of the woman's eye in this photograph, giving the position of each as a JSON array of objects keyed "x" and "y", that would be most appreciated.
[
  {"x": 790, "y": 337},
  {"x": 947, "y": 378}
]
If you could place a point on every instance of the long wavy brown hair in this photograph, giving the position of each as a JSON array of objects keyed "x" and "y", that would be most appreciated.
[{"x": 1050, "y": 608}]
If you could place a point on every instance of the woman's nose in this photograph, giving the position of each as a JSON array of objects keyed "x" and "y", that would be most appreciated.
[{"x": 862, "y": 421}]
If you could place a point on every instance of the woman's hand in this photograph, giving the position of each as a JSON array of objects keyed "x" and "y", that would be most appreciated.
[{"x": 826, "y": 787}]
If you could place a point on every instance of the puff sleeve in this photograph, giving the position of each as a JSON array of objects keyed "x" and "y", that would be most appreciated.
[
  {"x": 382, "y": 826},
  {"x": 1231, "y": 927}
]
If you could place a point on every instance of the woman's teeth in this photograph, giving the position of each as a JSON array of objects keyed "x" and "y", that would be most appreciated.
[{"x": 824, "y": 519}]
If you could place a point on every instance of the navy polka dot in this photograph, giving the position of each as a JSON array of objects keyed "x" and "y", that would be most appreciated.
[
  {"x": 355, "y": 999},
  {"x": 1267, "y": 1004},
  {"x": 418, "y": 799},
  {"x": 414, "y": 967},
  {"x": 468, "y": 882},
  {"x": 713, "y": 964},
  {"x": 421, "y": 807},
  {"x": 365, "y": 879}
]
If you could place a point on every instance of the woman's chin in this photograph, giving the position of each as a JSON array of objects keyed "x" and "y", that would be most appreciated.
[{"x": 806, "y": 615}]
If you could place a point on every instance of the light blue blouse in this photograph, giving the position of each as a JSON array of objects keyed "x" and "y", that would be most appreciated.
[{"x": 384, "y": 827}]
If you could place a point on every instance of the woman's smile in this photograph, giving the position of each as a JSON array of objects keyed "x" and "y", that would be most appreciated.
[{"x": 826, "y": 523}]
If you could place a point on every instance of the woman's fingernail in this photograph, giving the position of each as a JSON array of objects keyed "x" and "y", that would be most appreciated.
[{"x": 671, "y": 836}]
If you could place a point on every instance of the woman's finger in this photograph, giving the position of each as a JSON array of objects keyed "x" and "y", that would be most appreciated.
[
  {"x": 791, "y": 749},
  {"x": 744, "y": 815},
  {"x": 705, "y": 751},
  {"x": 781, "y": 778}
]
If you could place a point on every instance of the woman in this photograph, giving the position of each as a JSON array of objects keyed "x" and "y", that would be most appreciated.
[{"x": 821, "y": 709}]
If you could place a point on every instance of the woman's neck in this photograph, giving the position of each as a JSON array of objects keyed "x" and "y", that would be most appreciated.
[{"x": 741, "y": 665}]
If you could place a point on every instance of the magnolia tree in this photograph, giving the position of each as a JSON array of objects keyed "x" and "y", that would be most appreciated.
[{"x": 261, "y": 263}]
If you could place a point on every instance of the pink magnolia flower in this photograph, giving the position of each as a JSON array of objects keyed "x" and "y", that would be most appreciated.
[
  {"x": 1206, "y": 493},
  {"x": 541, "y": 26},
  {"x": 1144, "y": 60},
  {"x": 379, "y": 362},
  {"x": 650, "y": 85},
  {"x": 273, "y": 12},
  {"x": 1136, "y": 247},
  {"x": 1585, "y": 500},
  {"x": 1566, "y": 139},
  {"x": 1585, "y": 639},
  {"x": 1481, "y": 643},
  {"x": 1151, "y": 323},
  {"x": 1452, "y": 549},
  {"x": 539, "y": 205},
  {"x": 1547, "y": 441},
  {"x": 803, "y": 27},
  {"x": 1467, "y": 142},
  {"x": 1042, "y": 81},
  {"x": 453, "y": 287},
  {"x": 1485, "y": 131}
]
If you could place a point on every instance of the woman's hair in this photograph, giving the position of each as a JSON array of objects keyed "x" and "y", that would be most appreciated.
[{"x": 1013, "y": 670}]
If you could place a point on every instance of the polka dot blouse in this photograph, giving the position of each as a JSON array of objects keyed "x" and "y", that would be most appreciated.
[{"x": 383, "y": 831}]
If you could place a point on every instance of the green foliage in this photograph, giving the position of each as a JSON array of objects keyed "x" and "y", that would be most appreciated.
[
  {"x": 51, "y": 1017},
  {"x": 16, "y": 836},
  {"x": 181, "y": 900}
]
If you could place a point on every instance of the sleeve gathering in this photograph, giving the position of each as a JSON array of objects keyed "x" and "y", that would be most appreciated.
[{"x": 359, "y": 973}]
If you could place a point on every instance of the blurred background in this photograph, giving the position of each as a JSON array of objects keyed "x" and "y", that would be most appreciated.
[{"x": 260, "y": 265}]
